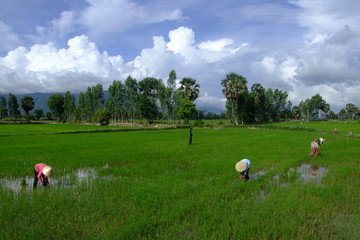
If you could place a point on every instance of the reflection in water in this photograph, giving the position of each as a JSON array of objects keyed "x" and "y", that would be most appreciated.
[
  {"x": 311, "y": 173},
  {"x": 257, "y": 175}
]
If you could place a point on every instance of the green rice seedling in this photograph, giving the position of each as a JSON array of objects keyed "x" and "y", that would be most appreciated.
[{"x": 153, "y": 185}]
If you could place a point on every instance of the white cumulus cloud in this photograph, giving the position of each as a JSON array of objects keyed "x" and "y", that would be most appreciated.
[{"x": 329, "y": 66}]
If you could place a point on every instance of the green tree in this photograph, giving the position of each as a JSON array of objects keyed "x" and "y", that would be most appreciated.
[
  {"x": 326, "y": 109},
  {"x": 148, "y": 89},
  {"x": 296, "y": 112},
  {"x": 186, "y": 110},
  {"x": 259, "y": 99},
  {"x": 3, "y": 108},
  {"x": 234, "y": 90},
  {"x": 89, "y": 104},
  {"x": 49, "y": 115},
  {"x": 13, "y": 106},
  {"x": 189, "y": 89},
  {"x": 131, "y": 96},
  {"x": 352, "y": 110},
  {"x": 277, "y": 106},
  {"x": 161, "y": 95},
  {"x": 304, "y": 109},
  {"x": 314, "y": 108},
  {"x": 98, "y": 97},
  {"x": 38, "y": 113},
  {"x": 115, "y": 103},
  {"x": 69, "y": 107},
  {"x": 317, "y": 104},
  {"x": 56, "y": 105},
  {"x": 170, "y": 96},
  {"x": 188, "y": 93},
  {"x": 27, "y": 104},
  {"x": 332, "y": 115},
  {"x": 343, "y": 114},
  {"x": 102, "y": 116},
  {"x": 81, "y": 109}
]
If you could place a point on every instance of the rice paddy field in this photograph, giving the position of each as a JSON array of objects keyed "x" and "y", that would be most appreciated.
[{"x": 153, "y": 185}]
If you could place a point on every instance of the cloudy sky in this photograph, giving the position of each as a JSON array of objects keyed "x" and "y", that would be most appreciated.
[{"x": 303, "y": 47}]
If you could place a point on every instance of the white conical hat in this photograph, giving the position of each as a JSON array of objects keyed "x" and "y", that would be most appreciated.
[
  {"x": 240, "y": 166},
  {"x": 47, "y": 171}
]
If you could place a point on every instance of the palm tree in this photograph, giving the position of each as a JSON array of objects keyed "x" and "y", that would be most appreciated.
[
  {"x": 189, "y": 89},
  {"x": 234, "y": 86}
]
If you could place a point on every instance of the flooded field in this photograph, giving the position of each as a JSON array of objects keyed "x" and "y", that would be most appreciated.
[
  {"x": 305, "y": 173},
  {"x": 80, "y": 176},
  {"x": 311, "y": 173}
]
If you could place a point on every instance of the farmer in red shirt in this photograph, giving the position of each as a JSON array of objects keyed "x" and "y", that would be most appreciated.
[{"x": 42, "y": 172}]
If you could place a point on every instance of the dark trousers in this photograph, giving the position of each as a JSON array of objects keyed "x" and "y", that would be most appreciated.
[
  {"x": 190, "y": 140},
  {"x": 35, "y": 178},
  {"x": 45, "y": 180},
  {"x": 246, "y": 174}
]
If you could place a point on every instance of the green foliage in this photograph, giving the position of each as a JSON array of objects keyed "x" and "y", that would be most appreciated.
[
  {"x": 98, "y": 97},
  {"x": 13, "y": 106},
  {"x": 39, "y": 113},
  {"x": 27, "y": 104},
  {"x": 56, "y": 105},
  {"x": 187, "y": 108},
  {"x": 132, "y": 95},
  {"x": 89, "y": 104},
  {"x": 102, "y": 116},
  {"x": 234, "y": 90},
  {"x": 115, "y": 102},
  {"x": 69, "y": 107},
  {"x": 149, "y": 92},
  {"x": 3, "y": 108},
  {"x": 189, "y": 89},
  {"x": 315, "y": 108},
  {"x": 353, "y": 110}
]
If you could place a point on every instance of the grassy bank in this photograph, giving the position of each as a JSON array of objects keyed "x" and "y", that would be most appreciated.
[{"x": 153, "y": 185}]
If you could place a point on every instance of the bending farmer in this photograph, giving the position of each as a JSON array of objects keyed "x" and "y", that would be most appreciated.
[
  {"x": 243, "y": 167},
  {"x": 314, "y": 148},
  {"x": 42, "y": 172}
]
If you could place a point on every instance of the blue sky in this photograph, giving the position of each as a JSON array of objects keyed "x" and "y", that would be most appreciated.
[{"x": 303, "y": 47}]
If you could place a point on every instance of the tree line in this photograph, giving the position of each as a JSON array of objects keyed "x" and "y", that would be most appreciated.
[
  {"x": 150, "y": 99},
  {"x": 260, "y": 105}
]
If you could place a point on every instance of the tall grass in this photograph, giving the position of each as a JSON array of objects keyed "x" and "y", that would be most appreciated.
[{"x": 156, "y": 186}]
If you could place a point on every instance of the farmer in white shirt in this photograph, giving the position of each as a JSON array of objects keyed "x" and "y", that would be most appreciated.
[{"x": 243, "y": 167}]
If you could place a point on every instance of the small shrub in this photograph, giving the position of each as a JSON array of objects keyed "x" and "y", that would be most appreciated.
[{"x": 102, "y": 116}]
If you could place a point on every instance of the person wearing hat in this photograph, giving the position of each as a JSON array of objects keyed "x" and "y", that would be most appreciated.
[
  {"x": 42, "y": 172},
  {"x": 243, "y": 167},
  {"x": 322, "y": 141},
  {"x": 314, "y": 148}
]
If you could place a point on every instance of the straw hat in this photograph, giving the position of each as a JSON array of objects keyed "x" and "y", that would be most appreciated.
[
  {"x": 47, "y": 171},
  {"x": 240, "y": 166}
]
